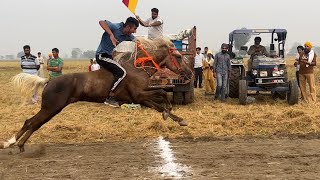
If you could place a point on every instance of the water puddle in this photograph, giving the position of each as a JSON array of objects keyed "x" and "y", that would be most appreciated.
[{"x": 168, "y": 167}]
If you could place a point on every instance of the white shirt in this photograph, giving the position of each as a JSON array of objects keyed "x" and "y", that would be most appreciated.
[
  {"x": 155, "y": 31},
  {"x": 95, "y": 67},
  {"x": 40, "y": 59},
  {"x": 297, "y": 60},
  {"x": 198, "y": 60},
  {"x": 310, "y": 57}
]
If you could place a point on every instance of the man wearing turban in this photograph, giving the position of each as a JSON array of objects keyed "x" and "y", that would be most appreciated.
[{"x": 306, "y": 74}]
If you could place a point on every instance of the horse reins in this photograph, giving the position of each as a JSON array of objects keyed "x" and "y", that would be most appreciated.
[
  {"x": 143, "y": 60},
  {"x": 174, "y": 60}
]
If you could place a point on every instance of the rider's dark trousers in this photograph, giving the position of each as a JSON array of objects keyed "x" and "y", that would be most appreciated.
[{"x": 106, "y": 61}]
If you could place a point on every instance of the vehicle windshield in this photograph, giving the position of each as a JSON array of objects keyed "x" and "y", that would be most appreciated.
[{"x": 242, "y": 43}]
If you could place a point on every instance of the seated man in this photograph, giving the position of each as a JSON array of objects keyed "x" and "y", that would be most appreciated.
[{"x": 256, "y": 50}]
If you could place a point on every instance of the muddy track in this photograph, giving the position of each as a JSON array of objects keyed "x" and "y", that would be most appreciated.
[{"x": 221, "y": 158}]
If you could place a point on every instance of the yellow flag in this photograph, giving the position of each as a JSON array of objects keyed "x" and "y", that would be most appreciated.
[{"x": 131, "y": 5}]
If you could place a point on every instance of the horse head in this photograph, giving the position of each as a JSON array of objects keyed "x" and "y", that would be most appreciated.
[{"x": 164, "y": 54}]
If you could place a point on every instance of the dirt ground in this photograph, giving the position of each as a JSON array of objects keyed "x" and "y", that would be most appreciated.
[
  {"x": 91, "y": 141},
  {"x": 217, "y": 158}
]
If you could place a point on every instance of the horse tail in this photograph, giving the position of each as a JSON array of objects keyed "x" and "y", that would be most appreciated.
[{"x": 27, "y": 83}]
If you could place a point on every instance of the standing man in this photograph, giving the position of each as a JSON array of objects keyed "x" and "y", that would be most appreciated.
[
  {"x": 114, "y": 34},
  {"x": 155, "y": 24},
  {"x": 30, "y": 65},
  {"x": 41, "y": 61},
  {"x": 198, "y": 60},
  {"x": 205, "y": 52},
  {"x": 306, "y": 74},
  {"x": 300, "y": 50},
  {"x": 222, "y": 69},
  {"x": 55, "y": 64}
]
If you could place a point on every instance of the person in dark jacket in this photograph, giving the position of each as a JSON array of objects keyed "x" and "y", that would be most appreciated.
[{"x": 222, "y": 69}]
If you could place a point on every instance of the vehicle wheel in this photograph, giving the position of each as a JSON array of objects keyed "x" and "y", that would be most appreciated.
[
  {"x": 234, "y": 81},
  {"x": 189, "y": 96},
  {"x": 293, "y": 94},
  {"x": 283, "y": 95},
  {"x": 243, "y": 92},
  {"x": 178, "y": 98}
]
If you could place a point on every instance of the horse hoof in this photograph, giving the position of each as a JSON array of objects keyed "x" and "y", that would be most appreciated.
[
  {"x": 165, "y": 115},
  {"x": 21, "y": 148},
  {"x": 183, "y": 123}
]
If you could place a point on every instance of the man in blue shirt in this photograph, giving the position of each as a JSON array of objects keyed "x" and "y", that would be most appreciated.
[{"x": 113, "y": 35}]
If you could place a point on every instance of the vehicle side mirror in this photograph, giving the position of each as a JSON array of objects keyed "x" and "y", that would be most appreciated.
[
  {"x": 271, "y": 47},
  {"x": 244, "y": 48}
]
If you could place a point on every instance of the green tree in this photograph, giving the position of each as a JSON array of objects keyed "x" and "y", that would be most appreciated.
[
  {"x": 21, "y": 53},
  {"x": 89, "y": 54},
  {"x": 76, "y": 53},
  {"x": 293, "y": 49}
]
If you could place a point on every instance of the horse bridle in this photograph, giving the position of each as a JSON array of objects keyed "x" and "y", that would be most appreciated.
[
  {"x": 143, "y": 60},
  {"x": 174, "y": 60}
]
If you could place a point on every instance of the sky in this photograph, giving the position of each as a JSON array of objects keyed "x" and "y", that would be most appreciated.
[{"x": 67, "y": 24}]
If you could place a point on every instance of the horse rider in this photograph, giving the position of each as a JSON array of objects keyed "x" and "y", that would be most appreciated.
[{"x": 114, "y": 34}]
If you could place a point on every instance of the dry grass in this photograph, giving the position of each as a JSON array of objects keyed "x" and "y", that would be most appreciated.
[{"x": 92, "y": 122}]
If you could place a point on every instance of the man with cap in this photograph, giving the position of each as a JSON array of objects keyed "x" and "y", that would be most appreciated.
[
  {"x": 207, "y": 66},
  {"x": 222, "y": 69},
  {"x": 256, "y": 50},
  {"x": 306, "y": 73}
]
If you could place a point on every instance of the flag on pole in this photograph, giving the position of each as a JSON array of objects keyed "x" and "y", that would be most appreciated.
[{"x": 131, "y": 5}]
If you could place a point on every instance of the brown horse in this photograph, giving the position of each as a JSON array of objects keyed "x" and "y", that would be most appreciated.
[{"x": 94, "y": 86}]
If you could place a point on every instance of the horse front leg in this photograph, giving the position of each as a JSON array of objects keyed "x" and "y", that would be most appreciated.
[
  {"x": 165, "y": 113},
  {"x": 163, "y": 94},
  {"x": 167, "y": 101}
]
